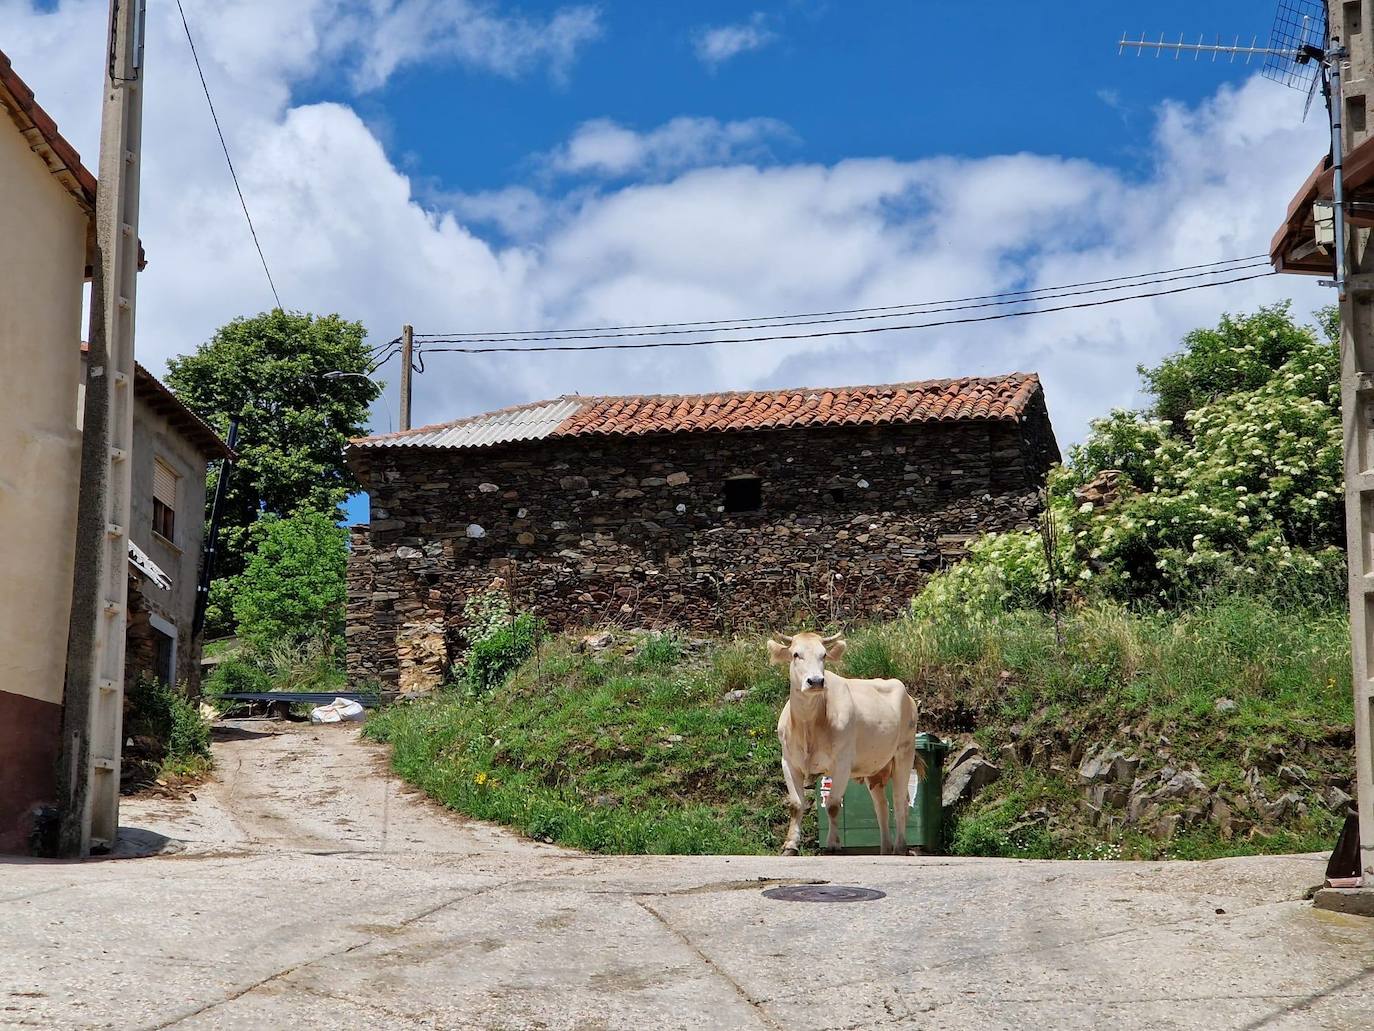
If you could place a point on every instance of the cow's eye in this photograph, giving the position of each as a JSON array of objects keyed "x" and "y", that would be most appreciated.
[{"x": 796, "y": 655}]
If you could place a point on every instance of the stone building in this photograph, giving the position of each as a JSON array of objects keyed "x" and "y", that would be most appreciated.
[
  {"x": 712, "y": 512},
  {"x": 173, "y": 448}
]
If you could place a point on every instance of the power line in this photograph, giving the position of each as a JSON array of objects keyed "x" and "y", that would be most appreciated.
[
  {"x": 908, "y": 310},
  {"x": 845, "y": 332},
  {"x": 475, "y": 336},
  {"x": 227, "y": 159}
]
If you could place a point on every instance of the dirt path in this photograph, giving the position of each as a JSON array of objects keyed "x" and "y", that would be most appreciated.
[
  {"x": 297, "y": 787},
  {"x": 304, "y": 887}
]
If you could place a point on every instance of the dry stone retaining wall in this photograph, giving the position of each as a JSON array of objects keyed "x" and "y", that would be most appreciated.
[{"x": 635, "y": 530}]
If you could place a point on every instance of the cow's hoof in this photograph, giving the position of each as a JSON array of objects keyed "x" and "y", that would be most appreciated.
[
  {"x": 901, "y": 851},
  {"x": 828, "y": 850},
  {"x": 791, "y": 852}
]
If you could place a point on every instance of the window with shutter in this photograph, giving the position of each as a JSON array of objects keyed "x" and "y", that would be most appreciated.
[{"x": 164, "y": 500}]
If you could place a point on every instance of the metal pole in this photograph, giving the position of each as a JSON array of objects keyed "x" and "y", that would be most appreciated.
[
  {"x": 1353, "y": 272},
  {"x": 407, "y": 358},
  {"x": 207, "y": 566},
  {"x": 93, "y": 700},
  {"x": 1333, "y": 70}
]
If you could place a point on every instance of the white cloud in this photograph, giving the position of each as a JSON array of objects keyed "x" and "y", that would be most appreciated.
[
  {"x": 394, "y": 33},
  {"x": 345, "y": 231},
  {"x": 716, "y": 45},
  {"x": 603, "y": 147}
]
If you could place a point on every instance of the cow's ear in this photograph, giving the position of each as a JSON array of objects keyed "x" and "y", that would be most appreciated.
[
  {"x": 778, "y": 653},
  {"x": 835, "y": 651}
]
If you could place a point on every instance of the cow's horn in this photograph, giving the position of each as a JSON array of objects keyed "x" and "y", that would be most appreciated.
[
  {"x": 784, "y": 639},
  {"x": 832, "y": 638}
]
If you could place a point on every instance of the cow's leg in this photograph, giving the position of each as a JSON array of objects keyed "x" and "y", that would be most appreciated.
[
  {"x": 796, "y": 807},
  {"x": 879, "y": 795},
  {"x": 839, "y": 781},
  {"x": 901, "y": 785}
]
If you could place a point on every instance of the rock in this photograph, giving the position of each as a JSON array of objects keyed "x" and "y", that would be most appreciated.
[
  {"x": 605, "y": 801},
  {"x": 966, "y": 753},
  {"x": 407, "y": 552},
  {"x": 673, "y": 739},
  {"x": 596, "y": 642},
  {"x": 488, "y": 488},
  {"x": 681, "y": 509},
  {"x": 474, "y": 531},
  {"x": 1292, "y": 774},
  {"x": 1108, "y": 766},
  {"x": 1224, "y": 706},
  {"x": 735, "y": 696},
  {"x": 1220, "y": 814},
  {"x": 1101, "y": 491},
  {"x": 1102, "y": 795},
  {"x": 1163, "y": 828},
  {"x": 1285, "y": 807},
  {"x": 967, "y": 779},
  {"x": 1008, "y": 753},
  {"x": 525, "y": 538},
  {"x": 1337, "y": 800},
  {"x": 678, "y": 479},
  {"x": 573, "y": 482}
]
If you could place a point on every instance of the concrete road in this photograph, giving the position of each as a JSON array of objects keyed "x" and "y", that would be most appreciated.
[{"x": 306, "y": 888}]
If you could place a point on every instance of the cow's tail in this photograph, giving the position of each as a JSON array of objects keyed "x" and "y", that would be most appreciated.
[{"x": 918, "y": 760}]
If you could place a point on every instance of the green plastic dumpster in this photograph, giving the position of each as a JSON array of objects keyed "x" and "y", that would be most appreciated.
[{"x": 858, "y": 823}]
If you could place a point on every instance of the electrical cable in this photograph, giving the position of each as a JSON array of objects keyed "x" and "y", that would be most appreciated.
[
  {"x": 473, "y": 336},
  {"x": 844, "y": 332},
  {"x": 911, "y": 310},
  {"x": 227, "y": 159}
]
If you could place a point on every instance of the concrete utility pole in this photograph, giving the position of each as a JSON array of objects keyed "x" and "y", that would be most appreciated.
[
  {"x": 407, "y": 353},
  {"x": 1351, "y": 28},
  {"x": 94, "y": 693}
]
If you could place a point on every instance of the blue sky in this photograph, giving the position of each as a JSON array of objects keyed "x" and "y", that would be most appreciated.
[
  {"x": 482, "y": 164},
  {"x": 866, "y": 77}
]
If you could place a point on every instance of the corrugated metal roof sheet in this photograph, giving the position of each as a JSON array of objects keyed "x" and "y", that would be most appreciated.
[
  {"x": 527, "y": 422},
  {"x": 139, "y": 559},
  {"x": 941, "y": 400}
]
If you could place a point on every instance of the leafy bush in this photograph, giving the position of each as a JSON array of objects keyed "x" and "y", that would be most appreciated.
[
  {"x": 491, "y": 658},
  {"x": 293, "y": 588},
  {"x": 164, "y": 714},
  {"x": 236, "y": 674}
]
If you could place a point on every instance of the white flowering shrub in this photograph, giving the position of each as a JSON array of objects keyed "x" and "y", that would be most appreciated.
[{"x": 1243, "y": 489}]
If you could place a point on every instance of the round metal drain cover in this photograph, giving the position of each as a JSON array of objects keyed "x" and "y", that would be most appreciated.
[{"x": 822, "y": 893}]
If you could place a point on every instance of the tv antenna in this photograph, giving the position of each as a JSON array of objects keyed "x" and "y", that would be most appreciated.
[{"x": 1298, "y": 56}]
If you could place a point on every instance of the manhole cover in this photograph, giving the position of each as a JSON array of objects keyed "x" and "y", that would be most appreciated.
[{"x": 822, "y": 893}]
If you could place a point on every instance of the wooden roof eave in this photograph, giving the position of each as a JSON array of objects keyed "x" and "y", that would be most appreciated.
[{"x": 1292, "y": 248}]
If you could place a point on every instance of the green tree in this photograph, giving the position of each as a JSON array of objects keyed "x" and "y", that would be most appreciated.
[
  {"x": 294, "y": 424},
  {"x": 293, "y": 587},
  {"x": 1234, "y": 477}
]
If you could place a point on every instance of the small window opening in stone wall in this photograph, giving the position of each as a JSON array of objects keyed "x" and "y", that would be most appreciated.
[
  {"x": 835, "y": 495},
  {"x": 743, "y": 494}
]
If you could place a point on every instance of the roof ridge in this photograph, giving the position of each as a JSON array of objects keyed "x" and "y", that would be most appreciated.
[{"x": 941, "y": 400}]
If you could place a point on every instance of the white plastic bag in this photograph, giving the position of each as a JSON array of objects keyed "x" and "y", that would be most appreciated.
[{"x": 338, "y": 711}]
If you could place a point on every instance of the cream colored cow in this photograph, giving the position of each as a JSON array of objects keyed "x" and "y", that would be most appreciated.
[{"x": 849, "y": 729}]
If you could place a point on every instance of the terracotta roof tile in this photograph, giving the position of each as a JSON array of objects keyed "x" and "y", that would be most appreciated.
[
  {"x": 43, "y": 138},
  {"x": 994, "y": 398}
]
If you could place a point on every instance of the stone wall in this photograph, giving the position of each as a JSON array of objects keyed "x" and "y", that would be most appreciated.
[{"x": 634, "y": 530}]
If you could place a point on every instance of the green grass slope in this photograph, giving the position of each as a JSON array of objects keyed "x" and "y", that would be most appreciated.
[{"x": 636, "y": 750}]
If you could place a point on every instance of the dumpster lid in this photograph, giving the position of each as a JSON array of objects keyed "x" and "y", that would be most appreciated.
[{"x": 932, "y": 742}]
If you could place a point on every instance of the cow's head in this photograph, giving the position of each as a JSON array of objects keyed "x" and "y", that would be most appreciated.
[{"x": 805, "y": 656}]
